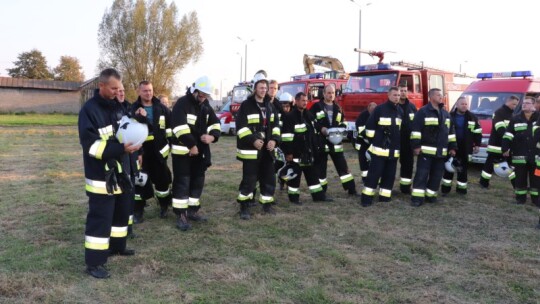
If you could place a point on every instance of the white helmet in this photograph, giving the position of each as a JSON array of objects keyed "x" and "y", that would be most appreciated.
[
  {"x": 202, "y": 84},
  {"x": 285, "y": 97},
  {"x": 335, "y": 135},
  {"x": 502, "y": 169},
  {"x": 131, "y": 131},
  {"x": 140, "y": 179},
  {"x": 260, "y": 76},
  {"x": 368, "y": 156},
  {"x": 448, "y": 165}
]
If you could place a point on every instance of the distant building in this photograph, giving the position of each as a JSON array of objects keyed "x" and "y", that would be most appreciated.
[{"x": 40, "y": 96}]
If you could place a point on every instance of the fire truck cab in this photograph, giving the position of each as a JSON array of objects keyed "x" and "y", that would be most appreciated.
[
  {"x": 371, "y": 83},
  {"x": 240, "y": 92},
  {"x": 489, "y": 93},
  {"x": 312, "y": 85}
]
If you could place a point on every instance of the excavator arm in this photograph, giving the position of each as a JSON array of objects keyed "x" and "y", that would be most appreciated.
[{"x": 311, "y": 62}]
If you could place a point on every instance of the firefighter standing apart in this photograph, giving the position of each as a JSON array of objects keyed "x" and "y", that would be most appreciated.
[
  {"x": 406, "y": 159},
  {"x": 500, "y": 121},
  {"x": 520, "y": 140},
  {"x": 468, "y": 138},
  {"x": 258, "y": 134},
  {"x": 432, "y": 139},
  {"x": 362, "y": 143},
  {"x": 382, "y": 130},
  {"x": 298, "y": 143},
  {"x": 195, "y": 126},
  {"x": 329, "y": 115},
  {"x": 107, "y": 182},
  {"x": 155, "y": 151}
]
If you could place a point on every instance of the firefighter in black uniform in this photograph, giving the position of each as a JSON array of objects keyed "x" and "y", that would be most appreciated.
[
  {"x": 107, "y": 183},
  {"x": 382, "y": 130},
  {"x": 195, "y": 126},
  {"x": 406, "y": 158},
  {"x": 155, "y": 150},
  {"x": 500, "y": 121},
  {"x": 329, "y": 115},
  {"x": 258, "y": 134},
  {"x": 362, "y": 144},
  {"x": 468, "y": 138},
  {"x": 298, "y": 144},
  {"x": 520, "y": 140},
  {"x": 432, "y": 139},
  {"x": 274, "y": 100}
]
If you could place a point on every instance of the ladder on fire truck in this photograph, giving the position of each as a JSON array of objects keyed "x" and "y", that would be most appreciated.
[{"x": 421, "y": 66}]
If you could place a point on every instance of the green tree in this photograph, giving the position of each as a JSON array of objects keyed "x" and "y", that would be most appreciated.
[
  {"x": 69, "y": 69},
  {"x": 31, "y": 65},
  {"x": 145, "y": 40}
]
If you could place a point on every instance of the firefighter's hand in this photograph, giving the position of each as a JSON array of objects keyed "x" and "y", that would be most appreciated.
[
  {"x": 452, "y": 153},
  {"x": 139, "y": 159},
  {"x": 506, "y": 154},
  {"x": 130, "y": 148},
  {"x": 207, "y": 139},
  {"x": 258, "y": 144},
  {"x": 475, "y": 149},
  {"x": 416, "y": 151},
  {"x": 110, "y": 181},
  {"x": 141, "y": 111},
  {"x": 194, "y": 151},
  {"x": 324, "y": 131},
  {"x": 289, "y": 157},
  {"x": 271, "y": 145}
]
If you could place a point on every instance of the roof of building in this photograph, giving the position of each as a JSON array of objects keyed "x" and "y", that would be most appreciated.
[{"x": 9, "y": 82}]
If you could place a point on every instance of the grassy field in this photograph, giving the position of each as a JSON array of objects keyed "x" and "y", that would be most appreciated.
[
  {"x": 24, "y": 119},
  {"x": 473, "y": 249}
]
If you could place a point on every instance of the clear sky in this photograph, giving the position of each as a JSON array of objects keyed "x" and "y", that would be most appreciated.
[{"x": 478, "y": 35}]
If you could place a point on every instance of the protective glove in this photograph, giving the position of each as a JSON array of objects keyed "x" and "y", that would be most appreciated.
[
  {"x": 110, "y": 180},
  {"x": 124, "y": 181}
]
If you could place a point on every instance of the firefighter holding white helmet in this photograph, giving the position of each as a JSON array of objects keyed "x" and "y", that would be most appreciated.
[
  {"x": 468, "y": 139},
  {"x": 520, "y": 141},
  {"x": 329, "y": 115},
  {"x": 195, "y": 126}
]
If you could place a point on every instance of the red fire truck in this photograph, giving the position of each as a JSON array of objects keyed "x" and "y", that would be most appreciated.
[
  {"x": 371, "y": 83},
  {"x": 489, "y": 93},
  {"x": 312, "y": 85}
]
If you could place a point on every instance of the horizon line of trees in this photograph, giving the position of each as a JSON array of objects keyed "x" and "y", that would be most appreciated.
[{"x": 33, "y": 65}]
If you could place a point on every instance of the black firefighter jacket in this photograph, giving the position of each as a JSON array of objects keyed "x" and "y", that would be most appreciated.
[
  {"x": 191, "y": 119},
  {"x": 521, "y": 138},
  {"x": 159, "y": 130},
  {"x": 252, "y": 124},
  {"x": 360, "y": 124},
  {"x": 98, "y": 122},
  {"x": 409, "y": 110},
  {"x": 321, "y": 118},
  {"x": 473, "y": 131},
  {"x": 433, "y": 132},
  {"x": 383, "y": 130},
  {"x": 500, "y": 121},
  {"x": 298, "y": 136}
]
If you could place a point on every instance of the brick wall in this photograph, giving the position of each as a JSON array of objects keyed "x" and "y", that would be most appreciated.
[{"x": 39, "y": 101}]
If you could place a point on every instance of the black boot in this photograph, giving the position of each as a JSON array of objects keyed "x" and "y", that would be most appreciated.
[
  {"x": 194, "y": 215},
  {"x": 244, "y": 211},
  {"x": 138, "y": 217},
  {"x": 268, "y": 209},
  {"x": 182, "y": 221},
  {"x": 98, "y": 272}
]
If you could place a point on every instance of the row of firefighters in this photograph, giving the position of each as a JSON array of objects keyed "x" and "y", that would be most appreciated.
[{"x": 392, "y": 131}]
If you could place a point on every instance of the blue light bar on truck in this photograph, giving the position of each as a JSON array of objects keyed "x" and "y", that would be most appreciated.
[
  {"x": 504, "y": 74},
  {"x": 374, "y": 67},
  {"x": 309, "y": 76}
]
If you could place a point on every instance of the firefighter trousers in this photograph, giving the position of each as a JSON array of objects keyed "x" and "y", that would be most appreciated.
[
  {"x": 188, "y": 182},
  {"x": 362, "y": 161},
  {"x": 159, "y": 177},
  {"x": 106, "y": 226},
  {"x": 526, "y": 182},
  {"x": 406, "y": 161},
  {"x": 429, "y": 172},
  {"x": 321, "y": 163},
  {"x": 315, "y": 188},
  {"x": 461, "y": 184},
  {"x": 258, "y": 170},
  {"x": 487, "y": 170},
  {"x": 383, "y": 169}
]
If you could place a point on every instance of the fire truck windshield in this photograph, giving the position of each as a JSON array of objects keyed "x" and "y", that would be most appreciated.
[
  {"x": 240, "y": 93},
  {"x": 291, "y": 88},
  {"x": 379, "y": 82},
  {"x": 484, "y": 104}
]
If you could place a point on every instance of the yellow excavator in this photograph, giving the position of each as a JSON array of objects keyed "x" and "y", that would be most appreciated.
[{"x": 326, "y": 63}]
